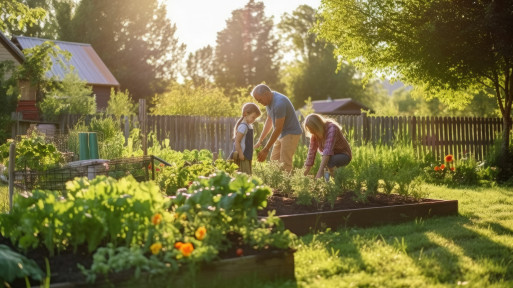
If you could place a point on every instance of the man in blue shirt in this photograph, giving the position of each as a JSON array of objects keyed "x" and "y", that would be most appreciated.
[{"x": 286, "y": 128}]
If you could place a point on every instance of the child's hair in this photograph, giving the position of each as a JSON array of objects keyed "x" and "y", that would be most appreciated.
[
  {"x": 247, "y": 109},
  {"x": 317, "y": 123}
]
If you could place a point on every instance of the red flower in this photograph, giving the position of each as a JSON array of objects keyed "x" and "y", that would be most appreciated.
[
  {"x": 449, "y": 158},
  {"x": 239, "y": 252},
  {"x": 437, "y": 168},
  {"x": 452, "y": 168},
  {"x": 156, "y": 219},
  {"x": 442, "y": 167}
]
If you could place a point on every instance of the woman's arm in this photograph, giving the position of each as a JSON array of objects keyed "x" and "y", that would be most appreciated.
[{"x": 324, "y": 162}]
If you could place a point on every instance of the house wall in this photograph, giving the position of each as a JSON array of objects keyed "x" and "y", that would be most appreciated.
[
  {"x": 5, "y": 55},
  {"x": 102, "y": 96}
]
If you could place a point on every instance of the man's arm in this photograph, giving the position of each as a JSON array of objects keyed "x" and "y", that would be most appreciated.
[
  {"x": 278, "y": 127},
  {"x": 267, "y": 127}
]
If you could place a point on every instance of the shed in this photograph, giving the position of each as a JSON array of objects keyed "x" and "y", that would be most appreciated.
[
  {"x": 86, "y": 61},
  {"x": 342, "y": 106}
]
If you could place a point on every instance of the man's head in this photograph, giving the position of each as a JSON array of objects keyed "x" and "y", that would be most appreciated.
[{"x": 262, "y": 94}]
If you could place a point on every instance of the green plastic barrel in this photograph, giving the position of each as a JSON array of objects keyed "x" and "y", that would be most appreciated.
[
  {"x": 93, "y": 146},
  {"x": 83, "y": 146}
]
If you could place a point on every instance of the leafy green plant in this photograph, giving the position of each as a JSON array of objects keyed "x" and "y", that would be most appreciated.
[
  {"x": 92, "y": 212},
  {"x": 14, "y": 265},
  {"x": 32, "y": 152}
]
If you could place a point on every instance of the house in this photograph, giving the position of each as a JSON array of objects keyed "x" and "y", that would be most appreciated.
[
  {"x": 26, "y": 105},
  {"x": 86, "y": 62},
  {"x": 343, "y": 106}
]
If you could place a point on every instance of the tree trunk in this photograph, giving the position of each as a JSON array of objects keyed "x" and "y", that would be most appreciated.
[{"x": 505, "y": 161}]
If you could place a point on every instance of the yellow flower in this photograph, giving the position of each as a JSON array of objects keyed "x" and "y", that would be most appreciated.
[
  {"x": 186, "y": 249},
  {"x": 201, "y": 232},
  {"x": 156, "y": 219},
  {"x": 155, "y": 248}
]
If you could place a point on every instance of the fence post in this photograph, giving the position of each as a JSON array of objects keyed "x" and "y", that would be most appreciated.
[
  {"x": 142, "y": 121},
  {"x": 365, "y": 128},
  {"x": 126, "y": 129},
  {"x": 12, "y": 157}
]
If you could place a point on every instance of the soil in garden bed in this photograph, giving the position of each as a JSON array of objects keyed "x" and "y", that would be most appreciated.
[
  {"x": 63, "y": 266},
  {"x": 284, "y": 204}
]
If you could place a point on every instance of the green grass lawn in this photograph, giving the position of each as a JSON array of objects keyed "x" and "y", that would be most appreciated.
[{"x": 474, "y": 249}]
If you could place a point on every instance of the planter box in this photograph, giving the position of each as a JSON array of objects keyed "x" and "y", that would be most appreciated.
[
  {"x": 270, "y": 266},
  {"x": 302, "y": 224}
]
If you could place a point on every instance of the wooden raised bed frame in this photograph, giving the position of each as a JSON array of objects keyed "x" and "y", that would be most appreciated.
[
  {"x": 270, "y": 266},
  {"x": 305, "y": 223}
]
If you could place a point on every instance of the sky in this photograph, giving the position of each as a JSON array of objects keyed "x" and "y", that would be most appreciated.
[{"x": 198, "y": 21}]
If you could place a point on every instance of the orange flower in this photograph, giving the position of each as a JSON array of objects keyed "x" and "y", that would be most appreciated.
[
  {"x": 186, "y": 249},
  {"x": 449, "y": 158},
  {"x": 437, "y": 168},
  {"x": 161, "y": 164},
  {"x": 155, "y": 248},
  {"x": 178, "y": 244},
  {"x": 149, "y": 167},
  {"x": 156, "y": 219},
  {"x": 201, "y": 232},
  {"x": 452, "y": 168},
  {"x": 442, "y": 166}
]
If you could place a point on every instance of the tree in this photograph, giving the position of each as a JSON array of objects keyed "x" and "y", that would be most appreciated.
[
  {"x": 200, "y": 66},
  {"x": 13, "y": 13},
  {"x": 246, "y": 52},
  {"x": 314, "y": 74},
  {"x": 134, "y": 39},
  {"x": 454, "y": 47}
]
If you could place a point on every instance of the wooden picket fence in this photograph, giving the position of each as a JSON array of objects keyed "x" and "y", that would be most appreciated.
[{"x": 460, "y": 136}]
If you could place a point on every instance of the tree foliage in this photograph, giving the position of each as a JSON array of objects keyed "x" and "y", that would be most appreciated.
[
  {"x": 70, "y": 96},
  {"x": 315, "y": 72},
  {"x": 200, "y": 66},
  {"x": 442, "y": 45},
  {"x": 246, "y": 52},
  {"x": 134, "y": 39},
  {"x": 200, "y": 101},
  {"x": 15, "y": 14}
]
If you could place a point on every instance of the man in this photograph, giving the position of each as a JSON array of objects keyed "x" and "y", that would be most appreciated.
[{"x": 286, "y": 128}]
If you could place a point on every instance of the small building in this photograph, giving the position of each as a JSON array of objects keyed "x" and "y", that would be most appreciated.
[
  {"x": 86, "y": 62},
  {"x": 343, "y": 106}
]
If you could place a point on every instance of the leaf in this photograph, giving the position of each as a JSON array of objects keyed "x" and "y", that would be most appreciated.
[{"x": 14, "y": 265}]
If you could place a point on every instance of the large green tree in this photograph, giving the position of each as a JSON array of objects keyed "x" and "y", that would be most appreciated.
[
  {"x": 135, "y": 39},
  {"x": 246, "y": 52},
  {"x": 448, "y": 47},
  {"x": 314, "y": 72}
]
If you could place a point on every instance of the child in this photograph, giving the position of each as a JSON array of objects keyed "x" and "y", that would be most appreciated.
[{"x": 243, "y": 137}]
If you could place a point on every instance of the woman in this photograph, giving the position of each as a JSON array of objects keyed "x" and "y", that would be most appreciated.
[{"x": 326, "y": 136}]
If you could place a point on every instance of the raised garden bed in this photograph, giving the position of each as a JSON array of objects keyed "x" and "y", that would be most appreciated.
[
  {"x": 269, "y": 266},
  {"x": 378, "y": 210}
]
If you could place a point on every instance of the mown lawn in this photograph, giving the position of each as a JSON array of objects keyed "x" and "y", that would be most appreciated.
[{"x": 474, "y": 249}]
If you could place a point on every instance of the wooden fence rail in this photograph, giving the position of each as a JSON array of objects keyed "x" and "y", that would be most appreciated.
[{"x": 460, "y": 136}]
